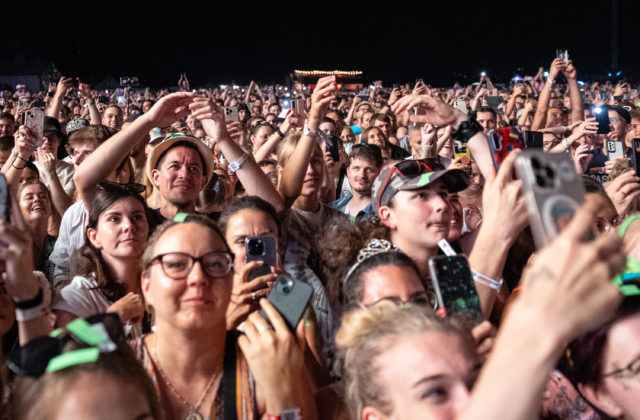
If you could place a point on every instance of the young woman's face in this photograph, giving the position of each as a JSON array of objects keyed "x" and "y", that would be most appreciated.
[
  {"x": 376, "y": 137},
  {"x": 122, "y": 230},
  {"x": 425, "y": 375},
  {"x": 34, "y": 203},
  {"x": 623, "y": 348},
  {"x": 314, "y": 175},
  {"x": 245, "y": 223},
  {"x": 197, "y": 301}
]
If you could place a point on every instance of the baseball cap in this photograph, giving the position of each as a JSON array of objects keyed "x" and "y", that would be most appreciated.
[
  {"x": 169, "y": 141},
  {"x": 413, "y": 174}
]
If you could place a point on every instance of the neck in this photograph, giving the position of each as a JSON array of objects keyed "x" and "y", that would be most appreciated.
[
  {"x": 419, "y": 255},
  {"x": 125, "y": 271},
  {"x": 169, "y": 209},
  {"x": 38, "y": 232},
  {"x": 187, "y": 354},
  {"x": 307, "y": 203},
  {"x": 360, "y": 201}
]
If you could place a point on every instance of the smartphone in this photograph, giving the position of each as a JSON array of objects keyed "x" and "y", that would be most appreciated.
[
  {"x": 461, "y": 106},
  {"x": 34, "y": 120},
  {"x": 494, "y": 101},
  {"x": 552, "y": 189},
  {"x": 290, "y": 297},
  {"x": 5, "y": 200},
  {"x": 563, "y": 54},
  {"x": 231, "y": 113},
  {"x": 635, "y": 155},
  {"x": 502, "y": 142},
  {"x": 297, "y": 106},
  {"x": 454, "y": 287},
  {"x": 532, "y": 139},
  {"x": 332, "y": 147},
  {"x": 614, "y": 149},
  {"x": 121, "y": 100},
  {"x": 261, "y": 248},
  {"x": 602, "y": 118},
  {"x": 461, "y": 151},
  {"x": 103, "y": 100}
]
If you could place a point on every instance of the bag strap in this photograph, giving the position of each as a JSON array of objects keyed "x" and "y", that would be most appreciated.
[{"x": 229, "y": 377}]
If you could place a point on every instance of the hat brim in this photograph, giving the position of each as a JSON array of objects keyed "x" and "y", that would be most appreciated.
[
  {"x": 454, "y": 180},
  {"x": 156, "y": 152}
]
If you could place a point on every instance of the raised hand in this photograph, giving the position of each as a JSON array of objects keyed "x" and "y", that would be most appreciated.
[
  {"x": 170, "y": 109},
  {"x": 434, "y": 112}
]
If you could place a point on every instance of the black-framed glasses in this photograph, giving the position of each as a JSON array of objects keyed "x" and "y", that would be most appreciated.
[
  {"x": 132, "y": 187},
  {"x": 633, "y": 368},
  {"x": 178, "y": 265}
]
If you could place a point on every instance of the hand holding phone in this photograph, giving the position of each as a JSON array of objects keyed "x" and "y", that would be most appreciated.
[
  {"x": 261, "y": 248},
  {"x": 290, "y": 297}
]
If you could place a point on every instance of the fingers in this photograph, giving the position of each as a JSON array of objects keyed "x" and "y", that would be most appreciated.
[
  {"x": 505, "y": 173},
  {"x": 274, "y": 316}
]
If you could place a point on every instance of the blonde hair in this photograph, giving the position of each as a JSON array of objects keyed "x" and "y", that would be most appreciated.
[
  {"x": 366, "y": 333},
  {"x": 288, "y": 145}
]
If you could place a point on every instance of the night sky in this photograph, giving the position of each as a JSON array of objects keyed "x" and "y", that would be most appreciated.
[{"x": 438, "y": 41}]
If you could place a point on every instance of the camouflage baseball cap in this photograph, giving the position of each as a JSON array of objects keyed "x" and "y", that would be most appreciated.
[{"x": 413, "y": 174}]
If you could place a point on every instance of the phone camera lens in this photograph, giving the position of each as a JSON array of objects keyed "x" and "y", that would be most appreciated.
[
  {"x": 535, "y": 163},
  {"x": 550, "y": 172},
  {"x": 541, "y": 181},
  {"x": 285, "y": 285},
  {"x": 256, "y": 247}
]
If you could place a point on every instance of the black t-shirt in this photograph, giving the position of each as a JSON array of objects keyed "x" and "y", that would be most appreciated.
[{"x": 596, "y": 167}]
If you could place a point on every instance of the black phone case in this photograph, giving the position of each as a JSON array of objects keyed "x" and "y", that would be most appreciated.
[
  {"x": 602, "y": 118},
  {"x": 292, "y": 303},
  {"x": 268, "y": 256},
  {"x": 5, "y": 201},
  {"x": 635, "y": 155},
  {"x": 454, "y": 287}
]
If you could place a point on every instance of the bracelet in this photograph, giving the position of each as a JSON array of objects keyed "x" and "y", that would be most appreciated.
[
  {"x": 566, "y": 143},
  {"x": 234, "y": 166},
  {"x": 31, "y": 313},
  {"x": 289, "y": 414},
  {"x": 15, "y": 167},
  {"x": 466, "y": 130},
  {"x": 280, "y": 133},
  {"x": 308, "y": 132},
  {"x": 31, "y": 303},
  {"x": 487, "y": 281}
]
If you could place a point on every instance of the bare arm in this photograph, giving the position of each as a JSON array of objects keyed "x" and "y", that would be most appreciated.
[
  {"x": 63, "y": 85},
  {"x": 250, "y": 175},
  {"x": 59, "y": 197},
  {"x": 574, "y": 92},
  {"x": 540, "y": 117}
]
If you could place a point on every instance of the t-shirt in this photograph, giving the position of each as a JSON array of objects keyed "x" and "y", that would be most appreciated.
[
  {"x": 596, "y": 166},
  {"x": 65, "y": 174},
  {"x": 82, "y": 298},
  {"x": 70, "y": 238}
]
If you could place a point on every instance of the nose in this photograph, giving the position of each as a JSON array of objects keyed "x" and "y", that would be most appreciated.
[
  {"x": 460, "y": 398},
  {"x": 196, "y": 276},
  {"x": 128, "y": 225}
]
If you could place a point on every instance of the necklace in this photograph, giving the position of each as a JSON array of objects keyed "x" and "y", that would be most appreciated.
[{"x": 193, "y": 412}]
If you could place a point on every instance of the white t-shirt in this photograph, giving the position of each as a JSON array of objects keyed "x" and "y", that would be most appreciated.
[{"x": 82, "y": 298}]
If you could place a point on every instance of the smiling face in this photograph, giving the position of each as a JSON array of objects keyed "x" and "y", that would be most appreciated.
[
  {"x": 180, "y": 176},
  {"x": 455, "y": 232},
  {"x": 197, "y": 301},
  {"x": 423, "y": 375},
  {"x": 50, "y": 142},
  {"x": 361, "y": 174},
  {"x": 121, "y": 231},
  {"x": 35, "y": 204},
  {"x": 313, "y": 177}
]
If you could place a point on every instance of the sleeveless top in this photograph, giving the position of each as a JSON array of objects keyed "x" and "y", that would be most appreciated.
[{"x": 236, "y": 397}]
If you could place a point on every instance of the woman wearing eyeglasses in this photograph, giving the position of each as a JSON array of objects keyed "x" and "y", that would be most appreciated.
[
  {"x": 107, "y": 277},
  {"x": 195, "y": 364}
]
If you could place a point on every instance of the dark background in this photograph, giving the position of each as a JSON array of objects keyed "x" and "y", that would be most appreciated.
[{"x": 218, "y": 42}]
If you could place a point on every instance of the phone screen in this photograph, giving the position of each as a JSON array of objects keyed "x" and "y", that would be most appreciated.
[
  {"x": 454, "y": 287},
  {"x": 635, "y": 145},
  {"x": 532, "y": 139}
]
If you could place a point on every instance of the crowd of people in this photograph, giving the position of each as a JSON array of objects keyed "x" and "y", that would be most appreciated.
[{"x": 128, "y": 292}]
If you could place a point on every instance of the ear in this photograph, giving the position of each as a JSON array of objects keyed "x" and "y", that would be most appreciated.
[
  {"x": 601, "y": 399},
  {"x": 388, "y": 217},
  {"x": 145, "y": 284},
  {"x": 155, "y": 177},
  {"x": 372, "y": 413},
  {"x": 92, "y": 234}
]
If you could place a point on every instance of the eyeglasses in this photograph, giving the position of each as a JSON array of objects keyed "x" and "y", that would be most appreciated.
[
  {"x": 406, "y": 168},
  {"x": 633, "y": 368},
  {"x": 115, "y": 187},
  {"x": 178, "y": 265}
]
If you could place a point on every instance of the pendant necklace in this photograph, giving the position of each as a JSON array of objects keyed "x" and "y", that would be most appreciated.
[{"x": 193, "y": 411}]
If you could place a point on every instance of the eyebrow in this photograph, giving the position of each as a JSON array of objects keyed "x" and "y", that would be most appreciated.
[{"x": 431, "y": 378}]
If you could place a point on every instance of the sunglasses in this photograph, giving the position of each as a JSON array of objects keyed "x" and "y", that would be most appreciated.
[
  {"x": 46, "y": 354},
  {"x": 406, "y": 168},
  {"x": 115, "y": 187}
]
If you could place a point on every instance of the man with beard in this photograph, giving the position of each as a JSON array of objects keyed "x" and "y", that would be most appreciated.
[{"x": 365, "y": 162}]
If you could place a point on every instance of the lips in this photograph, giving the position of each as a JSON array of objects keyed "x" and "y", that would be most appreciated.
[{"x": 197, "y": 301}]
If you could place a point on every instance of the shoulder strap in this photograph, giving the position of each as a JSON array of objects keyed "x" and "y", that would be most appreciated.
[{"x": 229, "y": 377}]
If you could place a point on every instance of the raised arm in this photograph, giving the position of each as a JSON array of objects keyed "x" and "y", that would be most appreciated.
[
  {"x": 106, "y": 158},
  {"x": 574, "y": 92},
  {"x": 290, "y": 121},
  {"x": 25, "y": 145},
  {"x": 63, "y": 86},
  {"x": 293, "y": 175},
  {"x": 94, "y": 114},
  {"x": 250, "y": 175},
  {"x": 540, "y": 117}
]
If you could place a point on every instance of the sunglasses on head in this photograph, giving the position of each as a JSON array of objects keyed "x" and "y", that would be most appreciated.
[
  {"x": 46, "y": 354},
  {"x": 407, "y": 168},
  {"x": 132, "y": 187}
]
